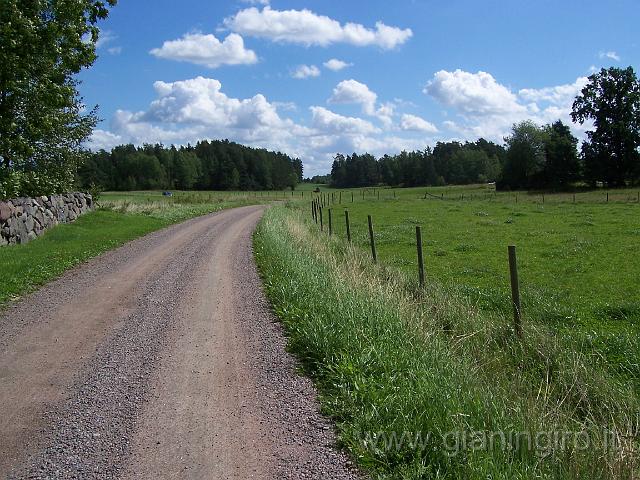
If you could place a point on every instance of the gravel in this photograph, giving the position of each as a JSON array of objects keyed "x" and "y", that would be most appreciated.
[{"x": 89, "y": 434}]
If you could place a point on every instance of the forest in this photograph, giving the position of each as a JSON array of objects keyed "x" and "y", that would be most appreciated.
[
  {"x": 209, "y": 165},
  {"x": 446, "y": 163}
]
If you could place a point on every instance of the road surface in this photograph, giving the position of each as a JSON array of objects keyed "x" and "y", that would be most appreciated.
[{"x": 159, "y": 359}]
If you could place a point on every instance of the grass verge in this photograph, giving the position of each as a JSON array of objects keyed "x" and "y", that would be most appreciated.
[
  {"x": 423, "y": 384},
  {"x": 26, "y": 267}
]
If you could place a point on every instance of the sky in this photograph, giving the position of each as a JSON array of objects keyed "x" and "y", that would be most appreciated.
[{"x": 314, "y": 78}]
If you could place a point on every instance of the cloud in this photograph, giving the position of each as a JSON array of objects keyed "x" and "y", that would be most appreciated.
[
  {"x": 610, "y": 55},
  {"x": 488, "y": 109},
  {"x": 472, "y": 93},
  {"x": 357, "y": 93},
  {"x": 256, "y": 2},
  {"x": 336, "y": 65},
  {"x": 561, "y": 94},
  {"x": 189, "y": 110},
  {"x": 330, "y": 122},
  {"x": 114, "y": 50},
  {"x": 417, "y": 124},
  {"x": 307, "y": 28},
  {"x": 103, "y": 140},
  {"x": 354, "y": 92},
  {"x": 207, "y": 50},
  {"x": 306, "y": 71}
]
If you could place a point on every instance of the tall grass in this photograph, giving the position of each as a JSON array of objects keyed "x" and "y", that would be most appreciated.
[
  {"x": 423, "y": 384},
  {"x": 181, "y": 206}
]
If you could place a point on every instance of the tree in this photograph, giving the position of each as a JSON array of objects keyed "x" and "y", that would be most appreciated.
[
  {"x": 525, "y": 158},
  {"x": 43, "y": 45},
  {"x": 612, "y": 100},
  {"x": 562, "y": 165}
]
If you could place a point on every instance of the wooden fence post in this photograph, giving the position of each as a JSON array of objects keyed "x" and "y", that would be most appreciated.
[
  {"x": 321, "y": 221},
  {"x": 330, "y": 223},
  {"x": 515, "y": 290},
  {"x": 346, "y": 219},
  {"x": 340, "y": 200},
  {"x": 373, "y": 241},
  {"x": 351, "y": 197},
  {"x": 420, "y": 258}
]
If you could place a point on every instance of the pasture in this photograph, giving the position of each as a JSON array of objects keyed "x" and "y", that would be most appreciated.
[{"x": 577, "y": 257}]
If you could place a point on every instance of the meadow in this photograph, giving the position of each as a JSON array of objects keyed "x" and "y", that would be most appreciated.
[
  {"x": 426, "y": 382},
  {"x": 577, "y": 262}
]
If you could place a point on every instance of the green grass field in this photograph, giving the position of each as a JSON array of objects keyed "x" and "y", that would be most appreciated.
[
  {"x": 431, "y": 383},
  {"x": 121, "y": 217},
  {"x": 578, "y": 262}
]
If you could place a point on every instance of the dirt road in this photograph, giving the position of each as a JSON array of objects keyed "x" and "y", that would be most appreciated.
[{"x": 159, "y": 360}]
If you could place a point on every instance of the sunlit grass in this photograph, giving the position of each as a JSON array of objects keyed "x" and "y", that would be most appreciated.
[{"x": 389, "y": 357}]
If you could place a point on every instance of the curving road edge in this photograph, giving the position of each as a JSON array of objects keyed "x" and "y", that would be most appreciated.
[{"x": 160, "y": 359}]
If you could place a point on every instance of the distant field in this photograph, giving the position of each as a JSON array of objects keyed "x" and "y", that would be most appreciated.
[{"x": 578, "y": 262}]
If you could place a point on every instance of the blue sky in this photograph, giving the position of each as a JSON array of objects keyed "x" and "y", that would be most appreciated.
[{"x": 313, "y": 78}]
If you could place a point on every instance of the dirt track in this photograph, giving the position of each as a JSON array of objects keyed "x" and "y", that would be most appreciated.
[{"x": 159, "y": 360}]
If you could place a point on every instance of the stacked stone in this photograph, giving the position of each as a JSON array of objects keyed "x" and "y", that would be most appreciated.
[{"x": 23, "y": 219}]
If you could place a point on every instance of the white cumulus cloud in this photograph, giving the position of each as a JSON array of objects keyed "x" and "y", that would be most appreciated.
[
  {"x": 330, "y": 122},
  {"x": 561, "y": 94},
  {"x": 336, "y": 65},
  {"x": 417, "y": 124},
  {"x": 190, "y": 110},
  {"x": 472, "y": 93},
  {"x": 207, "y": 50},
  {"x": 486, "y": 108},
  {"x": 357, "y": 93},
  {"x": 308, "y": 28},
  {"x": 354, "y": 92},
  {"x": 306, "y": 71}
]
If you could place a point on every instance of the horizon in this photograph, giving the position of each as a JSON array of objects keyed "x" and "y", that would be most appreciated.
[{"x": 322, "y": 78}]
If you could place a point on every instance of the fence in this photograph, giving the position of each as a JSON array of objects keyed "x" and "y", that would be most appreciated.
[{"x": 324, "y": 200}]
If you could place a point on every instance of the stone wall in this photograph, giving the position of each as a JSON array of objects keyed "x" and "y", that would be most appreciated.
[{"x": 23, "y": 219}]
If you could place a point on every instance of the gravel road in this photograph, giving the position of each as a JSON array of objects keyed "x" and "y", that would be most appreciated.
[{"x": 159, "y": 359}]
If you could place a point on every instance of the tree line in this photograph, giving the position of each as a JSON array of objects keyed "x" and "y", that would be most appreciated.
[
  {"x": 209, "y": 165},
  {"x": 447, "y": 163},
  {"x": 533, "y": 156}
]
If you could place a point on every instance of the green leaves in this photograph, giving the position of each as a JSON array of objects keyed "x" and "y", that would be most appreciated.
[
  {"x": 43, "y": 44},
  {"x": 611, "y": 100}
]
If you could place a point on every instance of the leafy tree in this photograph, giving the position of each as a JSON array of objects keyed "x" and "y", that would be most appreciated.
[
  {"x": 43, "y": 45},
  {"x": 562, "y": 165},
  {"x": 612, "y": 100},
  {"x": 187, "y": 170},
  {"x": 525, "y": 157}
]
